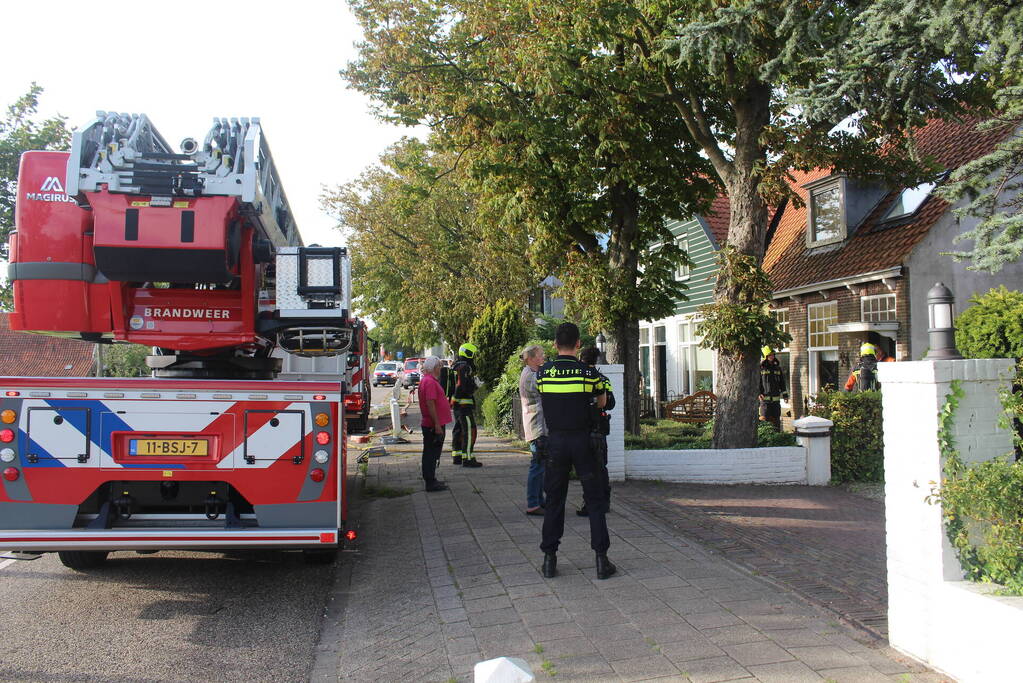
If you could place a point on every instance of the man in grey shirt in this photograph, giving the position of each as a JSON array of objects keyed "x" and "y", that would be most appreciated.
[{"x": 534, "y": 427}]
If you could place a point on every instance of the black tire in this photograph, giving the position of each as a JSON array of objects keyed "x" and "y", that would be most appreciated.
[
  {"x": 320, "y": 556},
  {"x": 81, "y": 560},
  {"x": 357, "y": 425}
]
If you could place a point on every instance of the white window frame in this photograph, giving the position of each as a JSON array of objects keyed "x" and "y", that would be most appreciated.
[
  {"x": 784, "y": 325},
  {"x": 814, "y": 351},
  {"x": 683, "y": 272},
  {"x": 877, "y": 297},
  {"x": 817, "y": 188}
]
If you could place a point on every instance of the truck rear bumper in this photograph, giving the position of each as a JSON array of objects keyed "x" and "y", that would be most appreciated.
[{"x": 165, "y": 539}]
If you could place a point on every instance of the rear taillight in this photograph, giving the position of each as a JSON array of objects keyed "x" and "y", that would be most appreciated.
[
  {"x": 11, "y": 474},
  {"x": 6, "y": 435},
  {"x": 316, "y": 474},
  {"x": 321, "y": 419},
  {"x": 8, "y": 416},
  {"x": 353, "y": 402},
  {"x": 323, "y": 438},
  {"x": 7, "y": 455},
  {"x": 350, "y": 535}
]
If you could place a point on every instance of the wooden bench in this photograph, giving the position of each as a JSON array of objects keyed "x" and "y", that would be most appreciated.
[{"x": 695, "y": 408}]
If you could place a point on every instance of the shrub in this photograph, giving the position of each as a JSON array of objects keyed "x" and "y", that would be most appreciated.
[
  {"x": 993, "y": 326},
  {"x": 499, "y": 332},
  {"x": 497, "y": 406},
  {"x": 857, "y": 444}
]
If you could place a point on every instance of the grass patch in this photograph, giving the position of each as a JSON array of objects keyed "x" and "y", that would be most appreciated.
[
  {"x": 538, "y": 649},
  {"x": 374, "y": 491},
  {"x": 548, "y": 668},
  {"x": 669, "y": 435}
]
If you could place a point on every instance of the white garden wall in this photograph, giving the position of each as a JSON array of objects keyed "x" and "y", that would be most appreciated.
[
  {"x": 778, "y": 465},
  {"x": 952, "y": 625}
]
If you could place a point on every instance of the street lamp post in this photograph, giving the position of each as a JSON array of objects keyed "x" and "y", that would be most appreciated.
[
  {"x": 601, "y": 343},
  {"x": 941, "y": 332}
]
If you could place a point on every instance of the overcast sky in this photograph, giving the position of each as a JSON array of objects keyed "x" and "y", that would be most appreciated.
[{"x": 184, "y": 62}]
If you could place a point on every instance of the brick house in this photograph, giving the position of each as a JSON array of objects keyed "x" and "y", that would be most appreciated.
[
  {"x": 37, "y": 355},
  {"x": 856, "y": 260}
]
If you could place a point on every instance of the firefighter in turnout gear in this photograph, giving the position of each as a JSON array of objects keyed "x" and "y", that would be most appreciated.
[
  {"x": 463, "y": 405},
  {"x": 772, "y": 388},
  {"x": 864, "y": 375}
]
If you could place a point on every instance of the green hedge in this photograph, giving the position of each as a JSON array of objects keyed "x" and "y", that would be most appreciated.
[{"x": 857, "y": 439}]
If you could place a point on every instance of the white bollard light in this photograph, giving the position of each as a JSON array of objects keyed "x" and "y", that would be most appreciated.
[
  {"x": 395, "y": 418},
  {"x": 503, "y": 670}
]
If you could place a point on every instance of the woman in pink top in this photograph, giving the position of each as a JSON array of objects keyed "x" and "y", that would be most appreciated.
[{"x": 436, "y": 414}]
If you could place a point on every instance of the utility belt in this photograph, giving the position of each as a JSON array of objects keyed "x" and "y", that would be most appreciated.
[
  {"x": 465, "y": 401},
  {"x": 772, "y": 398}
]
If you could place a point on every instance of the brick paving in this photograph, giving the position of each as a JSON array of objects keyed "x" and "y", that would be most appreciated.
[
  {"x": 444, "y": 580},
  {"x": 824, "y": 543}
]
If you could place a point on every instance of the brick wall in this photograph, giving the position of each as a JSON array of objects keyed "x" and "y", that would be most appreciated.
[{"x": 848, "y": 343}]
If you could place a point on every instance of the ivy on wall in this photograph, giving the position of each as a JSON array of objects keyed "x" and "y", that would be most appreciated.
[{"x": 982, "y": 505}]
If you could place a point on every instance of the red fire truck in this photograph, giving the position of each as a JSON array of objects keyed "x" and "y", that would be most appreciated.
[{"x": 194, "y": 253}]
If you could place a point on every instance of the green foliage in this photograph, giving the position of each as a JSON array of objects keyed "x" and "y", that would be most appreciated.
[
  {"x": 742, "y": 323},
  {"x": 498, "y": 405},
  {"x": 982, "y": 505},
  {"x": 19, "y": 133},
  {"x": 670, "y": 435},
  {"x": 427, "y": 253},
  {"x": 992, "y": 327},
  {"x": 125, "y": 360},
  {"x": 857, "y": 439},
  {"x": 498, "y": 332}
]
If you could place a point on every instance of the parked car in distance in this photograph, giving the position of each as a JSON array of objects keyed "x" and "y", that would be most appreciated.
[
  {"x": 386, "y": 373},
  {"x": 412, "y": 372}
]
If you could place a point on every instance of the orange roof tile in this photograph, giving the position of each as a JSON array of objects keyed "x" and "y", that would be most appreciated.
[
  {"x": 869, "y": 248},
  {"x": 36, "y": 355}
]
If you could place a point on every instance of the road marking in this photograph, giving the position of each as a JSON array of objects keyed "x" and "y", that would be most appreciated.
[{"x": 6, "y": 563}]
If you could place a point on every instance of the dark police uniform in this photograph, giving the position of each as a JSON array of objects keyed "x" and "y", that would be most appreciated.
[{"x": 566, "y": 388}]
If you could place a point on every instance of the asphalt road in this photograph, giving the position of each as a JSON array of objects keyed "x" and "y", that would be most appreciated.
[{"x": 169, "y": 616}]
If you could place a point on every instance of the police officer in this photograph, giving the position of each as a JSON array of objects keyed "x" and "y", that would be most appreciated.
[
  {"x": 772, "y": 388},
  {"x": 566, "y": 388},
  {"x": 463, "y": 405}
]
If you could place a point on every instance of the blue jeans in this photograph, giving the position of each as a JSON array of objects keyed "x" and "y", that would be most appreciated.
[{"x": 534, "y": 480}]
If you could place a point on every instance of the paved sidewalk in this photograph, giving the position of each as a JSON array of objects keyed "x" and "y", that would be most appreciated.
[{"x": 444, "y": 580}]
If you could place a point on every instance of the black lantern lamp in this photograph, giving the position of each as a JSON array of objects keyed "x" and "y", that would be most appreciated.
[
  {"x": 601, "y": 343},
  {"x": 941, "y": 332}
]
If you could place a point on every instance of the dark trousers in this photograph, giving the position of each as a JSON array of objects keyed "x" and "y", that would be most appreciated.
[
  {"x": 598, "y": 448},
  {"x": 565, "y": 450},
  {"x": 770, "y": 411},
  {"x": 433, "y": 444},
  {"x": 463, "y": 434}
]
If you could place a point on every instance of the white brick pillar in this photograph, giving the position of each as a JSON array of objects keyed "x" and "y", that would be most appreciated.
[
  {"x": 920, "y": 559},
  {"x": 616, "y": 439},
  {"x": 814, "y": 435}
]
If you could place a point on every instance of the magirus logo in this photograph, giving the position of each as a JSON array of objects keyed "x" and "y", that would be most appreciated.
[{"x": 52, "y": 190}]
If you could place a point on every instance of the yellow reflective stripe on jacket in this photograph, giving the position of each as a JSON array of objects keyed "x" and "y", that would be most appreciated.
[
  {"x": 463, "y": 401},
  {"x": 567, "y": 388}
]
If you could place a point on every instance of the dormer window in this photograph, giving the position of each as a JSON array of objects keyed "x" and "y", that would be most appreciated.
[
  {"x": 682, "y": 269},
  {"x": 909, "y": 201},
  {"x": 827, "y": 219}
]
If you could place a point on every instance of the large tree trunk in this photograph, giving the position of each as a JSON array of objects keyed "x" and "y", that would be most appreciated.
[
  {"x": 623, "y": 259},
  {"x": 735, "y": 418}
]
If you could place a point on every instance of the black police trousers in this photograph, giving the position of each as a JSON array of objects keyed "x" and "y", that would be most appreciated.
[{"x": 565, "y": 450}]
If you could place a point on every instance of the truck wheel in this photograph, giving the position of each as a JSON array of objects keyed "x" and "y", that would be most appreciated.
[
  {"x": 80, "y": 560},
  {"x": 319, "y": 556},
  {"x": 357, "y": 425}
]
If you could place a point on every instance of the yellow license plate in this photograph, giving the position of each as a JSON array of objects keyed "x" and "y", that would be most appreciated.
[{"x": 168, "y": 447}]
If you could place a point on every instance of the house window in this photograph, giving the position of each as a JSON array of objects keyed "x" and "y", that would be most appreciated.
[
  {"x": 682, "y": 271},
  {"x": 823, "y": 347},
  {"x": 644, "y": 359},
  {"x": 696, "y": 364},
  {"x": 827, "y": 214},
  {"x": 909, "y": 201},
  {"x": 782, "y": 316},
  {"x": 819, "y": 316},
  {"x": 877, "y": 309}
]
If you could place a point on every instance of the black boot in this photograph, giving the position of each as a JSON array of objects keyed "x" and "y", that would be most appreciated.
[
  {"x": 605, "y": 568},
  {"x": 550, "y": 565}
]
